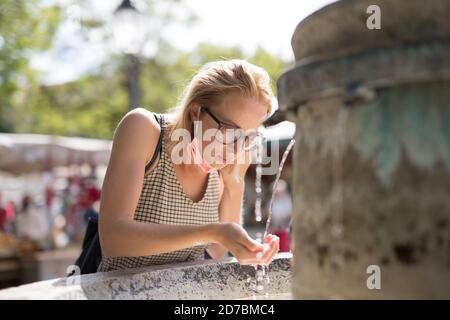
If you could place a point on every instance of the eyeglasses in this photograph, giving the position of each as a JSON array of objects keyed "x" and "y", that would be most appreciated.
[{"x": 229, "y": 134}]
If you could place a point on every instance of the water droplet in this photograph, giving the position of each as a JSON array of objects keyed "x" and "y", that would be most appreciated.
[{"x": 277, "y": 178}]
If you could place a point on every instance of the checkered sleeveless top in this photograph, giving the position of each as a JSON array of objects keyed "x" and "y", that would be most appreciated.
[{"x": 162, "y": 200}]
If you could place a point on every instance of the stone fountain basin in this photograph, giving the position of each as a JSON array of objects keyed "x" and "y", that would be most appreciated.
[{"x": 206, "y": 279}]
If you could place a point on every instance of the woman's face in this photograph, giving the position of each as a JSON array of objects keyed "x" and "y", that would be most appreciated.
[{"x": 240, "y": 115}]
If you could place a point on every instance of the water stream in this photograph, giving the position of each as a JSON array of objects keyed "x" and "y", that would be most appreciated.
[
  {"x": 261, "y": 271},
  {"x": 277, "y": 178}
]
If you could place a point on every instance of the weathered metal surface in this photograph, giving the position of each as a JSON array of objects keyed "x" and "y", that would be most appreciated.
[
  {"x": 340, "y": 28},
  {"x": 372, "y": 187},
  {"x": 372, "y": 158},
  {"x": 370, "y": 70}
]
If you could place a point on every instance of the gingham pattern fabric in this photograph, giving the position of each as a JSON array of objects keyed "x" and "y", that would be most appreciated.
[{"x": 162, "y": 200}]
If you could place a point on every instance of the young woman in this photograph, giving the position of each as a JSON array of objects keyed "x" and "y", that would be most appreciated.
[{"x": 156, "y": 209}]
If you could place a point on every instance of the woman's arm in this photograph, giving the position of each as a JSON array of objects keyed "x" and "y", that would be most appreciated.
[
  {"x": 230, "y": 208},
  {"x": 134, "y": 142}
]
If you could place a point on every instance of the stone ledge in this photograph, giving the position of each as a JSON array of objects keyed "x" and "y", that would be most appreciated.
[{"x": 191, "y": 280}]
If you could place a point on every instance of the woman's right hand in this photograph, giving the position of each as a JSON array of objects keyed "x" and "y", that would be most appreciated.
[{"x": 245, "y": 249}]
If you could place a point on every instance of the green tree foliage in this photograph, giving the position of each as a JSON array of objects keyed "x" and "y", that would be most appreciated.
[
  {"x": 25, "y": 28},
  {"x": 93, "y": 105},
  {"x": 88, "y": 107}
]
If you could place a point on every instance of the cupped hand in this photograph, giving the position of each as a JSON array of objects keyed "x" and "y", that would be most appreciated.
[
  {"x": 247, "y": 250},
  {"x": 271, "y": 245}
]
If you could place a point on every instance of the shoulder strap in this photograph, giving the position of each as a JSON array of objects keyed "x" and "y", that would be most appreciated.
[{"x": 158, "y": 148}]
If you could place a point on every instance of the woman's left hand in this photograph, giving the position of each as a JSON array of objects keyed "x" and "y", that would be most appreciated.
[{"x": 233, "y": 174}]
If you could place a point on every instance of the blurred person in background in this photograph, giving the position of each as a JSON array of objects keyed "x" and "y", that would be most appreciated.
[
  {"x": 89, "y": 202},
  {"x": 60, "y": 239},
  {"x": 32, "y": 223},
  {"x": 10, "y": 209},
  {"x": 3, "y": 217},
  {"x": 52, "y": 205},
  {"x": 281, "y": 214},
  {"x": 7, "y": 216},
  {"x": 71, "y": 195}
]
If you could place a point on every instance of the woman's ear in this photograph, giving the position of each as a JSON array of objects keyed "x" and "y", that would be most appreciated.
[{"x": 194, "y": 112}]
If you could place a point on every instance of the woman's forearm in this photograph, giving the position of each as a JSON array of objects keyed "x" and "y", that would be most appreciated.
[
  {"x": 133, "y": 238},
  {"x": 231, "y": 204},
  {"x": 230, "y": 211}
]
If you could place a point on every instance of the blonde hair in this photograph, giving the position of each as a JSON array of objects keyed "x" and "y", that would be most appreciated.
[{"x": 213, "y": 82}]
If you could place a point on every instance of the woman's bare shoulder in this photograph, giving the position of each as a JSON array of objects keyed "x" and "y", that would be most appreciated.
[
  {"x": 138, "y": 129},
  {"x": 140, "y": 118}
]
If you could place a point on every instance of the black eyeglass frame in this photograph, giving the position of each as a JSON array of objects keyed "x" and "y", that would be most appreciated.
[{"x": 222, "y": 125}]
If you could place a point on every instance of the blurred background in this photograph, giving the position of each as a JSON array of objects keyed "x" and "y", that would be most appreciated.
[{"x": 69, "y": 70}]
